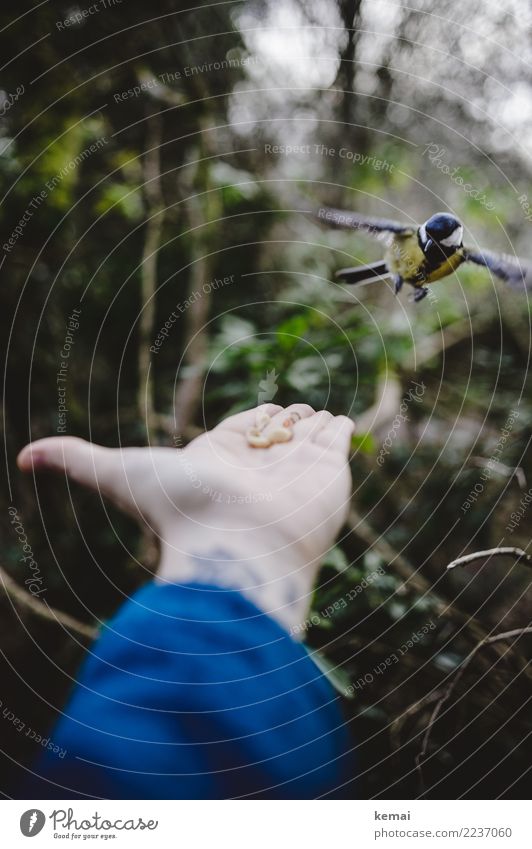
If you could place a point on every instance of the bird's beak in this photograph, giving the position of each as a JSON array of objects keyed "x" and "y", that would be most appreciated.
[{"x": 428, "y": 245}]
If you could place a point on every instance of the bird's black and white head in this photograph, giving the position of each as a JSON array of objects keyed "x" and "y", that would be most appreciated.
[{"x": 443, "y": 231}]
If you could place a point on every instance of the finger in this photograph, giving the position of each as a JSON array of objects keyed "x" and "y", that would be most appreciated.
[
  {"x": 294, "y": 414},
  {"x": 337, "y": 435},
  {"x": 242, "y": 421},
  {"x": 307, "y": 429}
]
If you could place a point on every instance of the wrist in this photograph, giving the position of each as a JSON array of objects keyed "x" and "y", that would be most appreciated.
[{"x": 278, "y": 582}]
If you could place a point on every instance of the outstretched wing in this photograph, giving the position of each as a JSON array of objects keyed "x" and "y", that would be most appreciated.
[
  {"x": 514, "y": 271},
  {"x": 355, "y": 221}
]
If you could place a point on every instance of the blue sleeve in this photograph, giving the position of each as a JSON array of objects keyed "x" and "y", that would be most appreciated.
[{"x": 192, "y": 692}]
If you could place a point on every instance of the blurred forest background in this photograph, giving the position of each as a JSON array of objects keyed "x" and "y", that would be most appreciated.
[{"x": 146, "y": 154}]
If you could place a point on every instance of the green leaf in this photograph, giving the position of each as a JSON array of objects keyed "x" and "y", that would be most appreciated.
[{"x": 363, "y": 442}]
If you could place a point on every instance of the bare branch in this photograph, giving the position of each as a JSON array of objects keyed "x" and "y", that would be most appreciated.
[
  {"x": 505, "y": 551},
  {"x": 496, "y": 638},
  {"x": 414, "y": 579},
  {"x": 20, "y": 598}
]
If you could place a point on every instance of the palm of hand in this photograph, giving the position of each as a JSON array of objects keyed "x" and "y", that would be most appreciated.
[{"x": 290, "y": 499}]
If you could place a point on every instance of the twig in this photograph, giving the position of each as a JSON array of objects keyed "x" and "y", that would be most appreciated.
[
  {"x": 505, "y": 551},
  {"x": 25, "y": 600},
  {"x": 361, "y": 528},
  {"x": 154, "y": 205},
  {"x": 496, "y": 638},
  {"x": 412, "y": 710}
]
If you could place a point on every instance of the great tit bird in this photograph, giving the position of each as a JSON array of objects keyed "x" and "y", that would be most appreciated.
[{"x": 421, "y": 255}]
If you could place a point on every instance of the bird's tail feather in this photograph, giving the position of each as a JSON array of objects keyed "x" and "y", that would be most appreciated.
[{"x": 363, "y": 273}]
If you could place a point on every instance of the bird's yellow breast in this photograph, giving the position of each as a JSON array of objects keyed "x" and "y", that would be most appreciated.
[
  {"x": 405, "y": 258},
  {"x": 447, "y": 267}
]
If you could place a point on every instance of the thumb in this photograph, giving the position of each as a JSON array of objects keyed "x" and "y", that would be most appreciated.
[
  {"x": 98, "y": 468},
  {"x": 80, "y": 460}
]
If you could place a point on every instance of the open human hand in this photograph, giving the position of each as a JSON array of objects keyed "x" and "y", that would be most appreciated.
[{"x": 226, "y": 513}]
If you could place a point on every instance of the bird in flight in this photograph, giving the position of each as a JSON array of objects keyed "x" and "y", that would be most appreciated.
[{"x": 421, "y": 255}]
